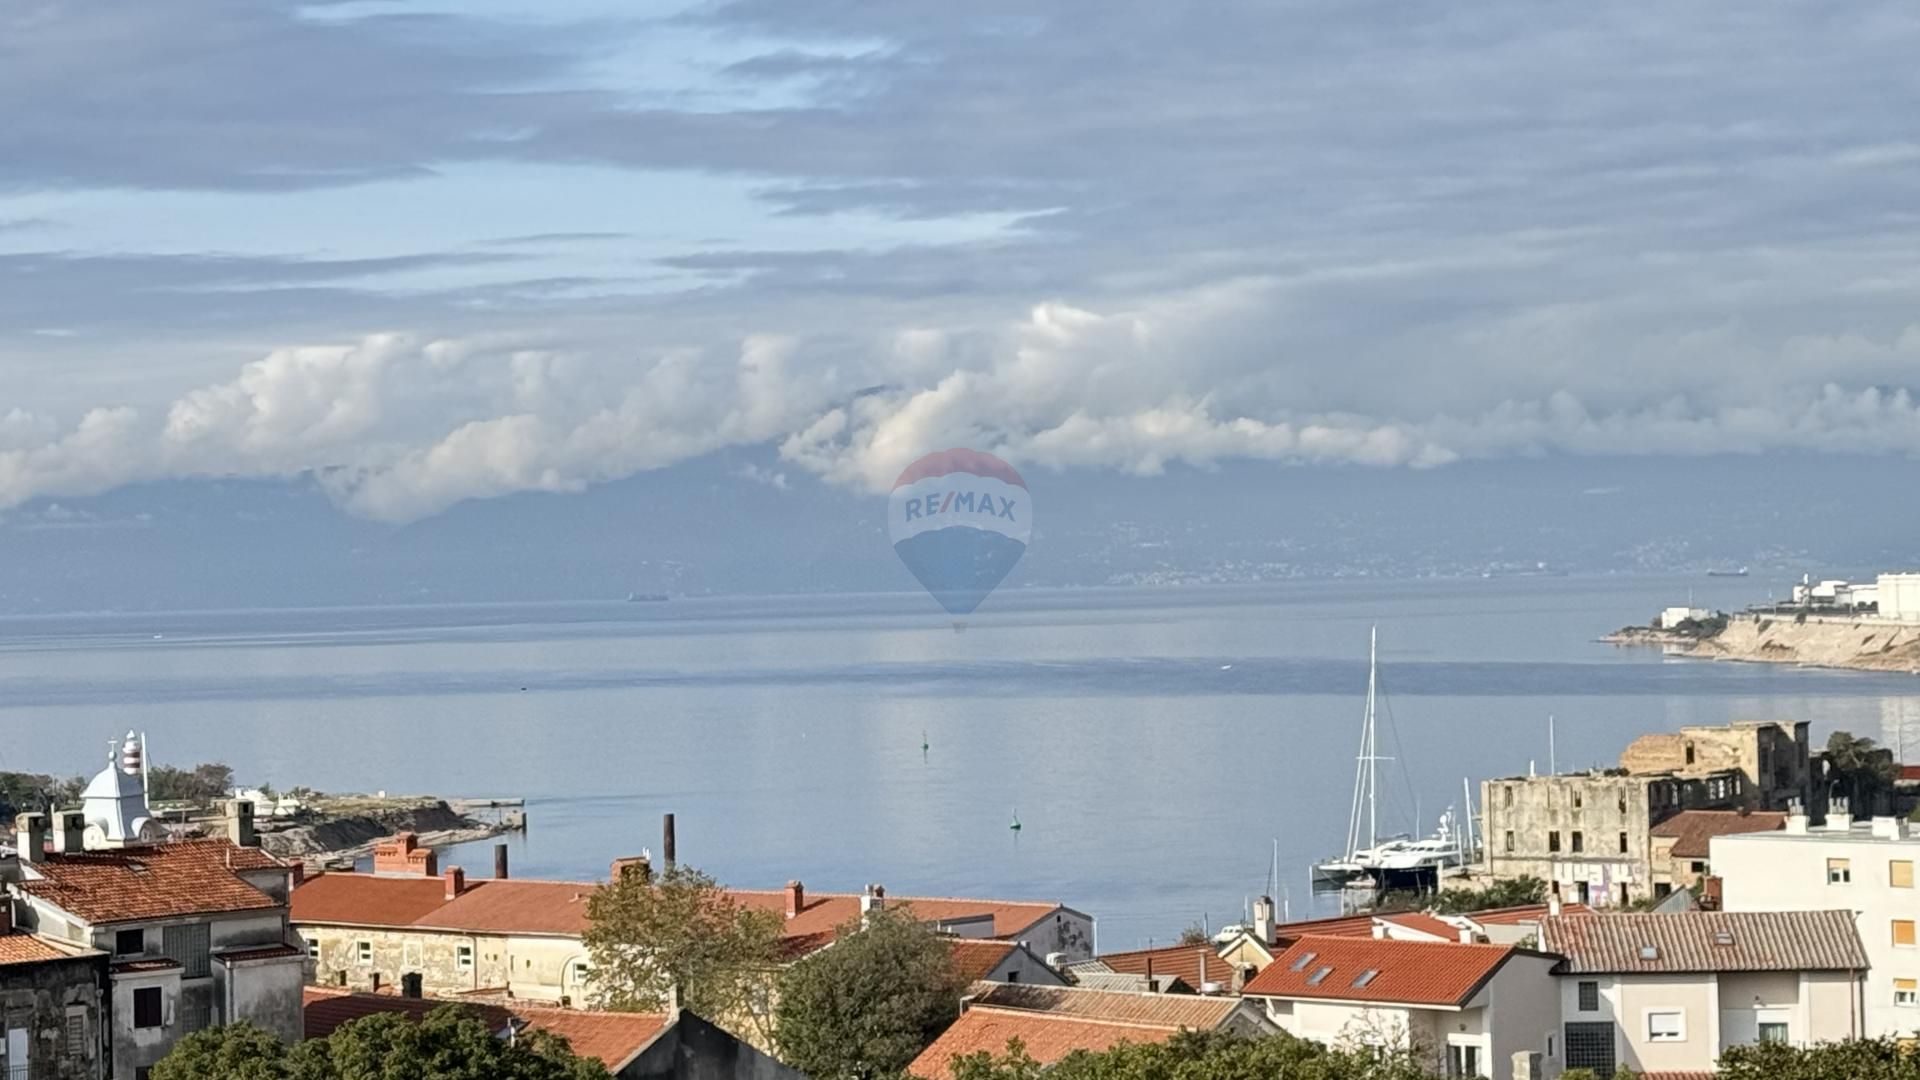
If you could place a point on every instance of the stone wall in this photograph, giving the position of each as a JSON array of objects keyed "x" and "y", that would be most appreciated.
[{"x": 39, "y": 999}]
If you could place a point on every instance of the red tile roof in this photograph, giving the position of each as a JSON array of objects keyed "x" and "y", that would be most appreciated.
[
  {"x": 1433, "y": 973},
  {"x": 1183, "y": 962},
  {"x": 1047, "y": 1038},
  {"x": 613, "y": 1038},
  {"x": 1421, "y": 923},
  {"x": 20, "y": 948},
  {"x": 560, "y": 907},
  {"x": 1910, "y": 772},
  {"x": 1692, "y": 830},
  {"x": 144, "y": 967},
  {"x": 1344, "y": 926},
  {"x": 266, "y": 952},
  {"x": 190, "y": 877},
  {"x": 1525, "y": 913},
  {"x": 975, "y": 960}
]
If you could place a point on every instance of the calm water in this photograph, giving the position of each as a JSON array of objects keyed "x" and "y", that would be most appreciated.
[{"x": 1154, "y": 743}]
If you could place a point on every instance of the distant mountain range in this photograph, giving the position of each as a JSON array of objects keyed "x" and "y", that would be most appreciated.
[{"x": 743, "y": 523}]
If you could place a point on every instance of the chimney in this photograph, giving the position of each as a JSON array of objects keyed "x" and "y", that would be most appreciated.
[
  {"x": 1151, "y": 987},
  {"x": 297, "y": 874},
  {"x": 1710, "y": 894},
  {"x": 1796, "y": 824},
  {"x": 500, "y": 862},
  {"x": 1203, "y": 973},
  {"x": 6, "y": 915},
  {"x": 1467, "y": 935},
  {"x": 640, "y": 866},
  {"x": 70, "y": 835},
  {"x": 1839, "y": 816},
  {"x": 666, "y": 841},
  {"x": 796, "y": 898},
  {"x": 1379, "y": 929},
  {"x": 1553, "y": 899},
  {"x": 412, "y": 985},
  {"x": 240, "y": 823},
  {"x": 31, "y": 836},
  {"x": 874, "y": 899},
  {"x": 456, "y": 880},
  {"x": 1889, "y": 828},
  {"x": 1263, "y": 925},
  {"x": 402, "y": 854}
]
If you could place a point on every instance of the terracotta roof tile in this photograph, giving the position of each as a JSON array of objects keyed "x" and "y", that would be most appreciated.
[
  {"x": 1523, "y": 914},
  {"x": 267, "y": 952},
  {"x": 20, "y": 948},
  {"x": 613, "y": 1038},
  {"x": 1706, "y": 941},
  {"x": 1172, "y": 1010},
  {"x": 190, "y": 877},
  {"x": 1692, "y": 830},
  {"x": 975, "y": 960},
  {"x": 1344, "y": 926},
  {"x": 1421, "y": 923},
  {"x": 144, "y": 967},
  {"x": 1194, "y": 965},
  {"x": 1047, "y": 1038},
  {"x": 1406, "y": 972},
  {"x": 560, "y": 907}
]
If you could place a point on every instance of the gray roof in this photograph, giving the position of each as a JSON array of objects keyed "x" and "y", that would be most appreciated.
[{"x": 1698, "y": 941}]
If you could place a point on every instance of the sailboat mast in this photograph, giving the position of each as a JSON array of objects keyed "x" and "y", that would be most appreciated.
[{"x": 1373, "y": 778}]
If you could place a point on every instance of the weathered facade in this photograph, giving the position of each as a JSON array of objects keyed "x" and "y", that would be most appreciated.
[
  {"x": 1774, "y": 758},
  {"x": 52, "y": 1008},
  {"x": 1589, "y": 834},
  {"x": 195, "y": 932}
]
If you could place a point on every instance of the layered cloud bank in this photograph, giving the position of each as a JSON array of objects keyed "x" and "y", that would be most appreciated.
[{"x": 398, "y": 428}]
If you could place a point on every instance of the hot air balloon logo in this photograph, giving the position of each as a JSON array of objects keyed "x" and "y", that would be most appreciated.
[{"x": 960, "y": 519}]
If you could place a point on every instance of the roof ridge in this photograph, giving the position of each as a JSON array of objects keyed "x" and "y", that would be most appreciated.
[{"x": 1073, "y": 1018}]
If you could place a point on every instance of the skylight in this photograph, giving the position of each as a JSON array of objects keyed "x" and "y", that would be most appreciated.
[
  {"x": 1315, "y": 978},
  {"x": 1366, "y": 977},
  {"x": 1305, "y": 959}
]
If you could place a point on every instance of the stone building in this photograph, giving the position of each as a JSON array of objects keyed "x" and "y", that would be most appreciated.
[
  {"x": 1589, "y": 835},
  {"x": 195, "y": 931},
  {"x": 52, "y": 1005},
  {"x": 1773, "y": 757}
]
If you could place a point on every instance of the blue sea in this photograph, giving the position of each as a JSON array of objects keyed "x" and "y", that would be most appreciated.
[{"x": 1153, "y": 743}]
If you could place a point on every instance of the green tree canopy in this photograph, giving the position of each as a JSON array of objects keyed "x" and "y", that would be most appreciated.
[
  {"x": 1855, "y": 1059},
  {"x": 450, "y": 1043},
  {"x": 1515, "y": 892},
  {"x": 205, "y": 783},
  {"x": 1193, "y": 1055},
  {"x": 652, "y": 936},
  {"x": 867, "y": 1006},
  {"x": 1859, "y": 769}
]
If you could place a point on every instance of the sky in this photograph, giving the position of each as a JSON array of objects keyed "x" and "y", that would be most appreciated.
[{"x": 430, "y": 253}]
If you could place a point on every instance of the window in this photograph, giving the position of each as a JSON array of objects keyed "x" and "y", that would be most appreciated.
[
  {"x": 366, "y": 953},
  {"x": 1839, "y": 871},
  {"x": 1509, "y": 839},
  {"x": 196, "y": 1013},
  {"x": 147, "y": 1006},
  {"x": 1590, "y": 1046},
  {"x": 144, "y": 1072},
  {"x": 1463, "y": 1059},
  {"x": 1773, "y": 1032},
  {"x": 1319, "y": 976},
  {"x": 1623, "y": 843},
  {"x": 130, "y": 943},
  {"x": 1576, "y": 800},
  {"x": 1623, "y": 804},
  {"x": 1698, "y": 866},
  {"x": 1589, "y": 997},
  {"x": 1507, "y": 797},
  {"x": 411, "y": 955},
  {"x": 1903, "y": 931},
  {"x": 76, "y": 1031},
  {"x": 1666, "y": 1025},
  {"x": 1366, "y": 977},
  {"x": 582, "y": 971},
  {"x": 1012, "y": 976},
  {"x": 313, "y": 949},
  {"x": 191, "y": 945},
  {"x": 1579, "y": 841},
  {"x": 1302, "y": 962},
  {"x": 463, "y": 957},
  {"x": 1900, "y": 874},
  {"x": 1906, "y": 993},
  {"x": 1553, "y": 840}
]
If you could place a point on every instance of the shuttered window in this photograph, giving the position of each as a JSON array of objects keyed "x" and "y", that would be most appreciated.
[
  {"x": 1900, "y": 874},
  {"x": 1906, "y": 993},
  {"x": 1839, "y": 871},
  {"x": 191, "y": 946},
  {"x": 1903, "y": 931}
]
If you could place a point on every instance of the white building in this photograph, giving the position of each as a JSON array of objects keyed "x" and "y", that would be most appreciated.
[
  {"x": 1899, "y": 597},
  {"x": 1674, "y": 616},
  {"x": 1668, "y": 994},
  {"x": 1472, "y": 1007},
  {"x": 1866, "y": 868},
  {"x": 195, "y": 930}
]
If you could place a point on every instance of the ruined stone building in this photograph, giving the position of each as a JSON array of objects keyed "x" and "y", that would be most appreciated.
[
  {"x": 53, "y": 1007},
  {"x": 1773, "y": 757}
]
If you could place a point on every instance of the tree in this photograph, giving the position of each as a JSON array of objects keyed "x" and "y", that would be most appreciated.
[
  {"x": 450, "y": 1043},
  {"x": 1515, "y": 892},
  {"x": 1854, "y": 1059},
  {"x": 867, "y": 1005},
  {"x": 1195, "y": 934},
  {"x": 1859, "y": 769},
  {"x": 204, "y": 783},
  {"x": 1210, "y": 1055},
  {"x": 651, "y": 938}
]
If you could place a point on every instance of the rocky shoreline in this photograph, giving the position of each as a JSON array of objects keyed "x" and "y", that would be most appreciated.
[
  {"x": 348, "y": 830},
  {"x": 1842, "y": 643}
]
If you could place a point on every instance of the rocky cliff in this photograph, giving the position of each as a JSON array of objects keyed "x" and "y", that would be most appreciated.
[{"x": 1855, "y": 643}]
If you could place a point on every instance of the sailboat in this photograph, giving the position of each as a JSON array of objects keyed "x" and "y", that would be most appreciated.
[{"x": 1361, "y": 861}]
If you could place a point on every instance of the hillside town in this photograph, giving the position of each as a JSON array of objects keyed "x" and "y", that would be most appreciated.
[{"x": 1721, "y": 888}]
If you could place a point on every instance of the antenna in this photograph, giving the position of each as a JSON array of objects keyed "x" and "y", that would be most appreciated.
[{"x": 1553, "y": 763}]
